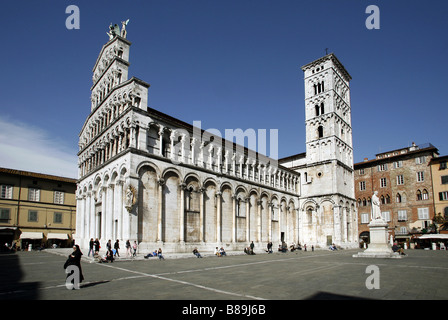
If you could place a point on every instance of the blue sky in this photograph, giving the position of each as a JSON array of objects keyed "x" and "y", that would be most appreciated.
[{"x": 229, "y": 64}]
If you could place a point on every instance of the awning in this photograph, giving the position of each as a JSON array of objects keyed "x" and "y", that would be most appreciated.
[
  {"x": 434, "y": 236},
  {"x": 59, "y": 236},
  {"x": 31, "y": 235},
  {"x": 8, "y": 228}
]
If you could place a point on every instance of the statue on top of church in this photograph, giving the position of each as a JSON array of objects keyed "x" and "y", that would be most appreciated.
[
  {"x": 114, "y": 30},
  {"x": 123, "y": 28}
]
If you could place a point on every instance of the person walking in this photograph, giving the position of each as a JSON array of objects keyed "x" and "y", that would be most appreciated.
[
  {"x": 74, "y": 259},
  {"x": 134, "y": 246},
  {"x": 109, "y": 245},
  {"x": 96, "y": 246},
  {"x": 128, "y": 249},
  {"x": 116, "y": 247},
  {"x": 91, "y": 242}
]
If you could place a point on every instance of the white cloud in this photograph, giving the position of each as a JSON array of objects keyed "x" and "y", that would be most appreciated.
[{"x": 26, "y": 147}]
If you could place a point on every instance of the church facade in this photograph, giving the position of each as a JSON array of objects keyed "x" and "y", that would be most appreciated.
[{"x": 148, "y": 177}]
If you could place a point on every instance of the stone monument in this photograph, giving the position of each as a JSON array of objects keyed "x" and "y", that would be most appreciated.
[{"x": 379, "y": 246}]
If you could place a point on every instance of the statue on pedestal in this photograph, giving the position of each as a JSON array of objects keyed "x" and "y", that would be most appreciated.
[
  {"x": 378, "y": 230},
  {"x": 376, "y": 210}
]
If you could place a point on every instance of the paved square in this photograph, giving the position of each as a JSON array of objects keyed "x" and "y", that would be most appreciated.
[{"x": 421, "y": 275}]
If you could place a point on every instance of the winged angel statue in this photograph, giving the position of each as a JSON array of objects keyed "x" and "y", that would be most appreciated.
[{"x": 114, "y": 30}]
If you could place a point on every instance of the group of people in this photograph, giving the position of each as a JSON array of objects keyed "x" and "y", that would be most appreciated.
[
  {"x": 111, "y": 252},
  {"x": 283, "y": 247},
  {"x": 155, "y": 253},
  {"x": 218, "y": 252},
  {"x": 250, "y": 249}
]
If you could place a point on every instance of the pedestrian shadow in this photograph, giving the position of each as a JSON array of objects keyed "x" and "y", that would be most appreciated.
[{"x": 92, "y": 284}]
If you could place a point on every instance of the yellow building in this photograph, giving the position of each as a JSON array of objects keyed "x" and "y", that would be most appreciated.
[
  {"x": 36, "y": 209},
  {"x": 439, "y": 171}
]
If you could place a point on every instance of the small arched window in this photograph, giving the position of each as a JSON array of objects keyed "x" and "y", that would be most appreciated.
[
  {"x": 419, "y": 195},
  {"x": 320, "y": 132}
]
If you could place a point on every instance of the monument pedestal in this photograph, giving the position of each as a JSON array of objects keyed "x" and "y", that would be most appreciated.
[{"x": 378, "y": 247}]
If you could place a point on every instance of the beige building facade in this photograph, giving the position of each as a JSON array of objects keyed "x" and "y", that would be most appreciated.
[
  {"x": 36, "y": 209},
  {"x": 439, "y": 171}
]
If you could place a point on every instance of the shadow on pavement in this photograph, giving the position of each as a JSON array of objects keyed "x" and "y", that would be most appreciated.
[
  {"x": 11, "y": 275},
  {"x": 331, "y": 296}
]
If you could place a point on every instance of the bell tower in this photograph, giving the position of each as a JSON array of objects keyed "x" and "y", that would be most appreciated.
[{"x": 328, "y": 111}]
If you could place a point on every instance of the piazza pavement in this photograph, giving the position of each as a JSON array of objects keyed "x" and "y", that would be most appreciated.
[{"x": 299, "y": 275}]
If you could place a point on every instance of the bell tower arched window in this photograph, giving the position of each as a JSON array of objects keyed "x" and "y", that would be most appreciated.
[{"x": 320, "y": 132}]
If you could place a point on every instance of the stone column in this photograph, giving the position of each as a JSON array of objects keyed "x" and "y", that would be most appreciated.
[
  {"x": 192, "y": 154},
  {"x": 161, "y": 129},
  {"x": 132, "y": 142},
  {"x": 182, "y": 141},
  {"x": 210, "y": 157},
  {"x": 287, "y": 218},
  {"x": 182, "y": 187},
  {"x": 344, "y": 225},
  {"x": 103, "y": 213},
  {"x": 241, "y": 161},
  {"x": 280, "y": 221},
  {"x": 120, "y": 142},
  {"x": 219, "y": 159},
  {"x": 86, "y": 209},
  {"x": 160, "y": 212},
  {"x": 79, "y": 217},
  {"x": 172, "y": 136},
  {"x": 270, "y": 205},
  {"x": 90, "y": 210},
  {"x": 110, "y": 212},
  {"x": 234, "y": 218},
  {"x": 259, "y": 202},
  {"x": 218, "y": 216},
  {"x": 118, "y": 208},
  {"x": 248, "y": 219},
  {"x": 254, "y": 162},
  {"x": 201, "y": 215}
]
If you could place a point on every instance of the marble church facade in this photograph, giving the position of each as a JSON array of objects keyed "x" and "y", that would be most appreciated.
[{"x": 145, "y": 176}]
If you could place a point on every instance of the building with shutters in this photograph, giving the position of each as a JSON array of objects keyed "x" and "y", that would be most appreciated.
[
  {"x": 404, "y": 183},
  {"x": 36, "y": 209}
]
